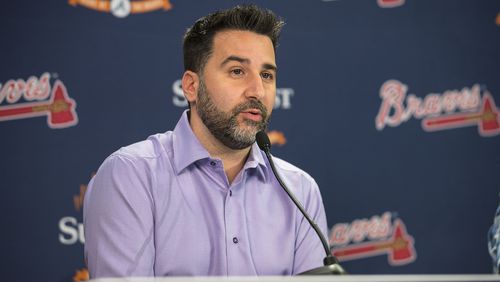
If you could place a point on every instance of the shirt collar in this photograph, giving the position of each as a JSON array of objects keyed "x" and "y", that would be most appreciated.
[
  {"x": 256, "y": 160},
  {"x": 188, "y": 149}
]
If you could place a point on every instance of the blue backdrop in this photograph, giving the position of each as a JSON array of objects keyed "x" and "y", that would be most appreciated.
[{"x": 390, "y": 105}]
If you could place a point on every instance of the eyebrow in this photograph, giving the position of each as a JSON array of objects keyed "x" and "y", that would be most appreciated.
[{"x": 266, "y": 66}]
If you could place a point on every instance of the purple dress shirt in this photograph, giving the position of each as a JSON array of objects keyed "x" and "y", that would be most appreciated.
[{"x": 164, "y": 207}]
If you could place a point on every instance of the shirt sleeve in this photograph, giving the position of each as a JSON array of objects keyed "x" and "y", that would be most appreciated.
[
  {"x": 118, "y": 220},
  {"x": 309, "y": 251}
]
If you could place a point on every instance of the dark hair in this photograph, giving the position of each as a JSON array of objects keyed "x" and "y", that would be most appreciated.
[{"x": 198, "y": 40}]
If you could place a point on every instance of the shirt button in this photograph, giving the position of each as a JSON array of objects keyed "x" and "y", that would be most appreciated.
[
  {"x": 212, "y": 163},
  {"x": 235, "y": 240},
  {"x": 230, "y": 193}
]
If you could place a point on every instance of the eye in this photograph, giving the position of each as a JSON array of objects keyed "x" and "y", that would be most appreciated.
[
  {"x": 237, "y": 72},
  {"x": 267, "y": 75}
]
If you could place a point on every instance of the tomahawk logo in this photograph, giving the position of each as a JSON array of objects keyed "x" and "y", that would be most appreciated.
[
  {"x": 380, "y": 235},
  {"x": 439, "y": 111},
  {"x": 59, "y": 107}
]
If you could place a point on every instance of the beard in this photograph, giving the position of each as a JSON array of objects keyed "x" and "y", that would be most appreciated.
[{"x": 224, "y": 125}]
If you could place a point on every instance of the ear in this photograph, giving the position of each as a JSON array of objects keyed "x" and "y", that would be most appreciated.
[{"x": 190, "y": 84}]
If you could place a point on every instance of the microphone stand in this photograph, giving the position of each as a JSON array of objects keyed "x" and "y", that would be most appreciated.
[{"x": 331, "y": 265}]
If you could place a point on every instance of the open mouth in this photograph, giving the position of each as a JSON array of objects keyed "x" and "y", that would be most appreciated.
[{"x": 252, "y": 114}]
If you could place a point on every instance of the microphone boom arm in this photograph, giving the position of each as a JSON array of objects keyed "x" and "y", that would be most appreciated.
[
  {"x": 331, "y": 264},
  {"x": 298, "y": 204}
]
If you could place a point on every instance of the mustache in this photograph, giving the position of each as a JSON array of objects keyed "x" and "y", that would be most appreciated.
[{"x": 252, "y": 104}]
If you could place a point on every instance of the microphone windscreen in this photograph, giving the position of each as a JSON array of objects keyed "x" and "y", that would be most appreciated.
[{"x": 263, "y": 140}]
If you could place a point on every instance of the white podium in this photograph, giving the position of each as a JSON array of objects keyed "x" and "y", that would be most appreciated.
[{"x": 347, "y": 278}]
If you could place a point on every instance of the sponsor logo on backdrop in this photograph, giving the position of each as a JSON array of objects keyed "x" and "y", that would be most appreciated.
[
  {"x": 276, "y": 137},
  {"x": 81, "y": 275},
  {"x": 71, "y": 230},
  {"x": 497, "y": 19},
  {"x": 35, "y": 97},
  {"x": 390, "y": 3},
  {"x": 123, "y": 8},
  {"x": 283, "y": 97},
  {"x": 379, "y": 235},
  {"x": 470, "y": 106}
]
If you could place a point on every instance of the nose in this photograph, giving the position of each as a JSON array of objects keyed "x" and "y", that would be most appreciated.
[{"x": 255, "y": 88}]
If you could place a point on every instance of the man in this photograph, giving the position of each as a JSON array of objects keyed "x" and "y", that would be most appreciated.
[{"x": 202, "y": 199}]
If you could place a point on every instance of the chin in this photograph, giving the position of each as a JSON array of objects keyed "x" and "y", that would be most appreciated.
[{"x": 250, "y": 129}]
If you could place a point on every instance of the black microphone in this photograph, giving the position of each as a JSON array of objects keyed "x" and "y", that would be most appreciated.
[{"x": 331, "y": 264}]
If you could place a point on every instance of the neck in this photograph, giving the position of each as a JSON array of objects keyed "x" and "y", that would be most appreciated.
[{"x": 233, "y": 160}]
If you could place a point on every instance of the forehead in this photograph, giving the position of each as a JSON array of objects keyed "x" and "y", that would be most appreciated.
[{"x": 256, "y": 47}]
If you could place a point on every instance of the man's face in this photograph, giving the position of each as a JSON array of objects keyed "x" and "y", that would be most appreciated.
[{"x": 238, "y": 87}]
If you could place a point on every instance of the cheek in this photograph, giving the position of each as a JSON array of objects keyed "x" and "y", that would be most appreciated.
[
  {"x": 226, "y": 103},
  {"x": 269, "y": 101}
]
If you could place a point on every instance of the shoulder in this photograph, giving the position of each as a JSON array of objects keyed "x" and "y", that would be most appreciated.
[
  {"x": 138, "y": 161},
  {"x": 290, "y": 170},
  {"x": 131, "y": 170},
  {"x": 301, "y": 183},
  {"x": 154, "y": 147}
]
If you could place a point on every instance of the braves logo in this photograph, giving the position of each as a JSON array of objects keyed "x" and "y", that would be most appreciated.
[
  {"x": 439, "y": 111},
  {"x": 59, "y": 108},
  {"x": 385, "y": 238},
  {"x": 123, "y": 8}
]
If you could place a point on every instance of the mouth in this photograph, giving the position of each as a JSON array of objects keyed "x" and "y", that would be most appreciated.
[{"x": 252, "y": 114}]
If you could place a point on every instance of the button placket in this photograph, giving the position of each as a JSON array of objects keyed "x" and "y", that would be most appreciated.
[{"x": 236, "y": 240}]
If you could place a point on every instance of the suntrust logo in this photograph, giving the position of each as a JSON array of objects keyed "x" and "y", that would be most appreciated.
[
  {"x": 379, "y": 235},
  {"x": 472, "y": 106},
  {"x": 283, "y": 97},
  {"x": 71, "y": 230}
]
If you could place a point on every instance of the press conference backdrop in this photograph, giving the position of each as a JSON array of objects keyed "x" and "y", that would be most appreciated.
[{"x": 390, "y": 105}]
